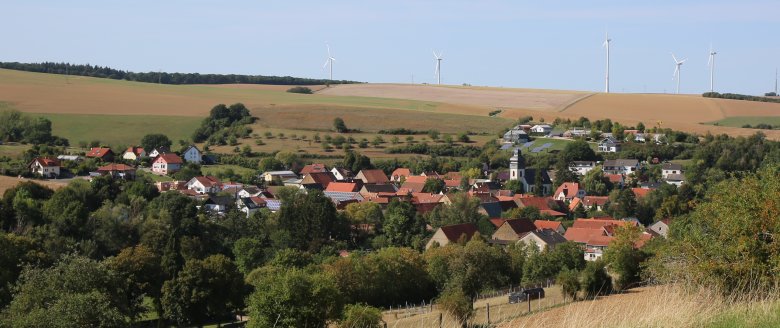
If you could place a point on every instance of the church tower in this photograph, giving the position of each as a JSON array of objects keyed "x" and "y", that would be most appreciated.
[{"x": 516, "y": 166}]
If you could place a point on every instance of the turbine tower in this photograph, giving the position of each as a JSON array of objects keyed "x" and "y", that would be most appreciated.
[
  {"x": 678, "y": 64},
  {"x": 711, "y": 64},
  {"x": 438, "y": 58},
  {"x": 606, "y": 44},
  {"x": 329, "y": 62}
]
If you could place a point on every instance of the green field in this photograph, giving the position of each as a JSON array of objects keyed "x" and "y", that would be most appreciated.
[
  {"x": 739, "y": 121},
  {"x": 120, "y": 130},
  {"x": 557, "y": 144},
  {"x": 214, "y": 170}
]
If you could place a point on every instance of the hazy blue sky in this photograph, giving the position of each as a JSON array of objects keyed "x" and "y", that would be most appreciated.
[{"x": 539, "y": 44}]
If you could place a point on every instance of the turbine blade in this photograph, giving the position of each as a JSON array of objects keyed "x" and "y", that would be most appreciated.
[
  {"x": 435, "y": 55},
  {"x": 327, "y": 61},
  {"x": 682, "y": 61},
  {"x": 328, "y": 46}
]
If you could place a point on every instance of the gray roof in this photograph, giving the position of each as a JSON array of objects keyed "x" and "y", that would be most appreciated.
[
  {"x": 273, "y": 204},
  {"x": 671, "y": 166},
  {"x": 492, "y": 209},
  {"x": 380, "y": 188},
  {"x": 530, "y": 177},
  {"x": 549, "y": 236},
  {"x": 621, "y": 162},
  {"x": 342, "y": 195},
  {"x": 675, "y": 177}
]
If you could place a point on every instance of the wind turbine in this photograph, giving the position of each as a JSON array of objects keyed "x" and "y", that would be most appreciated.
[
  {"x": 606, "y": 44},
  {"x": 711, "y": 64},
  {"x": 329, "y": 62},
  {"x": 678, "y": 64},
  {"x": 438, "y": 58}
]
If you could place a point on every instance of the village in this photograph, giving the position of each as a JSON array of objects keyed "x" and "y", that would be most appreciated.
[{"x": 560, "y": 209}]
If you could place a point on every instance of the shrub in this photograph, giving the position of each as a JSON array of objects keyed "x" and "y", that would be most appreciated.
[
  {"x": 303, "y": 90},
  {"x": 360, "y": 315}
]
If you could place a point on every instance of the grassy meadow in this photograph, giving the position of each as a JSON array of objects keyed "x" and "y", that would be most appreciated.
[
  {"x": 120, "y": 129},
  {"x": 739, "y": 121}
]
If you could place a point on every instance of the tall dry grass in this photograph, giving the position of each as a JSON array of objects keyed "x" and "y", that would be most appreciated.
[{"x": 660, "y": 306}]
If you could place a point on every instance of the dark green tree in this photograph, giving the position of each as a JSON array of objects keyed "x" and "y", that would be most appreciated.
[{"x": 154, "y": 141}]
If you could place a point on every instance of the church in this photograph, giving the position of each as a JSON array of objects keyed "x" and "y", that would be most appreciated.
[{"x": 518, "y": 171}]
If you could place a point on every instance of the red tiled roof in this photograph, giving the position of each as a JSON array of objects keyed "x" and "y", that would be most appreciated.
[
  {"x": 542, "y": 203},
  {"x": 552, "y": 213},
  {"x": 600, "y": 240},
  {"x": 46, "y": 161},
  {"x": 415, "y": 183},
  {"x": 208, "y": 181},
  {"x": 311, "y": 168},
  {"x": 342, "y": 187},
  {"x": 401, "y": 172},
  {"x": 497, "y": 222},
  {"x": 595, "y": 200},
  {"x": 98, "y": 152},
  {"x": 135, "y": 150},
  {"x": 115, "y": 167},
  {"x": 453, "y": 176},
  {"x": 614, "y": 178},
  {"x": 421, "y": 198},
  {"x": 582, "y": 235},
  {"x": 574, "y": 203},
  {"x": 569, "y": 190},
  {"x": 374, "y": 176},
  {"x": 321, "y": 178},
  {"x": 452, "y": 183},
  {"x": 641, "y": 192},
  {"x": 546, "y": 224},
  {"x": 169, "y": 158},
  {"x": 453, "y": 232},
  {"x": 423, "y": 208}
]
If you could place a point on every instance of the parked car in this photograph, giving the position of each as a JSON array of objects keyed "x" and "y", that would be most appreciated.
[{"x": 524, "y": 295}]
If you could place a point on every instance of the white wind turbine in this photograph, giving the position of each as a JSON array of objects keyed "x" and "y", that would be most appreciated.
[
  {"x": 678, "y": 64},
  {"x": 438, "y": 58},
  {"x": 606, "y": 44},
  {"x": 711, "y": 64},
  {"x": 329, "y": 62}
]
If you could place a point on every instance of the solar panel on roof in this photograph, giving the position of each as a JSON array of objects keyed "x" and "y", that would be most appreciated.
[{"x": 527, "y": 144}]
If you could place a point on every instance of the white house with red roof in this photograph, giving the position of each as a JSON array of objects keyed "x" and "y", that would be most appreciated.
[
  {"x": 205, "y": 184},
  {"x": 399, "y": 174},
  {"x": 45, "y": 167},
  {"x": 567, "y": 191},
  {"x": 167, "y": 164},
  {"x": 117, "y": 171}
]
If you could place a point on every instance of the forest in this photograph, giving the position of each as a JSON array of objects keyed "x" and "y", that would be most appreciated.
[{"x": 162, "y": 77}]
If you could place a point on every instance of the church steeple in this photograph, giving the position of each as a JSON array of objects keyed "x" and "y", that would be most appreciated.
[{"x": 516, "y": 165}]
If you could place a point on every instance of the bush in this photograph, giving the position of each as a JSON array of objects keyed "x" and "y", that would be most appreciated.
[
  {"x": 456, "y": 304},
  {"x": 569, "y": 281},
  {"x": 303, "y": 90},
  {"x": 360, "y": 315},
  {"x": 595, "y": 280}
]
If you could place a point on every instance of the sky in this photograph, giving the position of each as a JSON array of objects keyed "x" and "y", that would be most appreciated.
[{"x": 529, "y": 44}]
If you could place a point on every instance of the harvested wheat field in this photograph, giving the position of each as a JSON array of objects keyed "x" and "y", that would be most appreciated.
[
  {"x": 7, "y": 182},
  {"x": 542, "y": 100}
]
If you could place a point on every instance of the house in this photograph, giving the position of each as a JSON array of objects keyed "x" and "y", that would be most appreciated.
[
  {"x": 250, "y": 205},
  {"x": 491, "y": 209},
  {"x": 542, "y": 129},
  {"x": 167, "y": 164},
  {"x": 516, "y": 135},
  {"x": 451, "y": 234},
  {"x": 661, "y": 228},
  {"x": 640, "y": 193},
  {"x": 576, "y": 132},
  {"x": 339, "y": 197},
  {"x": 527, "y": 177},
  {"x": 374, "y": 176},
  {"x": 595, "y": 202},
  {"x": 192, "y": 155},
  {"x": 668, "y": 169},
  {"x": 543, "y": 204},
  {"x": 595, "y": 247},
  {"x": 218, "y": 204},
  {"x": 312, "y": 168},
  {"x": 400, "y": 174},
  {"x": 317, "y": 180},
  {"x": 341, "y": 174},
  {"x": 621, "y": 166},
  {"x": 582, "y": 167},
  {"x": 544, "y": 238},
  {"x": 117, "y": 171},
  {"x": 551, "y": 225},
  {"x": 134, "y": 153},
  {"x": 513, "y": 230},
  {"x": 45, "y": 167},
  {"x": 158, "y": 151},
  {"x": 675, "y": 179},
  {"x": 609, "y": 145},
  {"x": 567, "y": 191},
  {"x": 102, "y": 153},
  {"x": 377, "y": 190},
  {"x": 415, "y": 183},
  {"x": 281, "y": 175},
  {"x": 205, "y": 185}
]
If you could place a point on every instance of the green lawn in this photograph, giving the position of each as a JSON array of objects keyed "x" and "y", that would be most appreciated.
[
  {"x": 119, "y": 130},
  {"x": 557, "y": 144},
  {"x": 739, "y": 121},
  {"x": 216, "y": 169}
]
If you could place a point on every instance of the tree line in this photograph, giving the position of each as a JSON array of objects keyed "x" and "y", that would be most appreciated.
[{"x": 162, "y": 77}]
